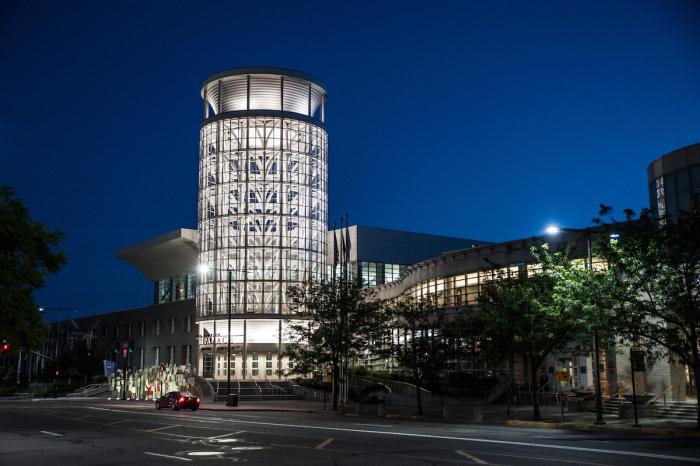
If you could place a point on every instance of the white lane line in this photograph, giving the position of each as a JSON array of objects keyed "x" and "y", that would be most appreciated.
[
  {"x": 162, "y": 428},
  {"x": 117, "y": 422},
  {"x": 470, "y": 457},
  {"x": 167, "y": 456},
  {"x": 324, "y": 444},
  {"x": 448, "y": 437},
  {"x": 372, "y": 425},
  {"x": 50, "y": 433},
  {"x": 227, "y": 435}
]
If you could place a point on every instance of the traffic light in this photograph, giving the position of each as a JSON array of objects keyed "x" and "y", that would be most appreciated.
[{"x": 5, "y": 345}]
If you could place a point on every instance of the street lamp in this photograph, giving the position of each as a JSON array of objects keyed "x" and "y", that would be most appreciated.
[{"x": 553, "y": 230}]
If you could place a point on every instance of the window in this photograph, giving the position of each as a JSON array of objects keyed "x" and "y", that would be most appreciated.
[
  {"x": 186, "y": 355},
  {"x": 142, "y": 358},
  {"x": 157, "y": 328},
  {"x": 208, "y": 365},
  {"x": 116, "y": 332},
  {"x": 164, "y": 290},
  {"x": 156, "y": 355},
  {"x": 188, "y": 324},
  {"x": 171, "y": 355},
  {"x": 142, "y": 328},
  {"x": 268, "y": 364},
  {"x": 128, "y": 331},
  {"x": 172, "y": 326},
  {"x": 191, "y": 285}
]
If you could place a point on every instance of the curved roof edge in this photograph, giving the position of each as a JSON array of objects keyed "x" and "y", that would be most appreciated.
[
  {"x": 674, "y": 160},
  {"x": 263, "y": 113},
  {"x": 474, "y": 260},
  {"x": 264, "y": 70}
]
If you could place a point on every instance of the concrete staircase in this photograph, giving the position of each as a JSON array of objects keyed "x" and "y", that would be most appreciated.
[
  {"x": 677, "y": 410},
  {"x": 249, "y": 390},
  {"x": 91, "y": 390},
  {"x": 612, "y": 405}
]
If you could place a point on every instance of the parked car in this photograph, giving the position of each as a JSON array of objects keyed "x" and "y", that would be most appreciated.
[{"x": 178, "y": 400}]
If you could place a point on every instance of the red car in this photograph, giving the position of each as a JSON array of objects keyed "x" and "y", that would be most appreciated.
[{"x": 178, "y": 400}]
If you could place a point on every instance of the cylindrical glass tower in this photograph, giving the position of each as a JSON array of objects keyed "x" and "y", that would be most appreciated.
[{"x": 262, "y": 209}]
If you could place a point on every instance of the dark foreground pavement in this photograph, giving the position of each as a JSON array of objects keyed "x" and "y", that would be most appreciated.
[{"x": 62, "y": 432}]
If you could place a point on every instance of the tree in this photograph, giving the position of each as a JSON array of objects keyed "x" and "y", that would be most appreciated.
[
  {"x": 336, "y": 320},
  {"x": 657, "y": 263},
  {"x": 29, "y": 252},
  {"x": 519, "y": 316},
  {"x": 81, "y": 360},
  {"x": 425, "y": 347}
]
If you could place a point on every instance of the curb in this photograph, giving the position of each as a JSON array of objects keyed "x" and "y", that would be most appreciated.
[
  {"x": 592, "y": 428},
  {"x": 278, "y": 410}
]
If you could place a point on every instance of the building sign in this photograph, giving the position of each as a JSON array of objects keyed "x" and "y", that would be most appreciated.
[{"x": 219, "y": 340}]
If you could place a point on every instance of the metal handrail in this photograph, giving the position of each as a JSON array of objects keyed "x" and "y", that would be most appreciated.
[
  {"x": 541, "y": 389},
  {"x": 668, "y": 389}
]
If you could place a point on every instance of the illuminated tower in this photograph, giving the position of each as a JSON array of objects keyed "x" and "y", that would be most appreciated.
[{"x": 262, "y": 210}]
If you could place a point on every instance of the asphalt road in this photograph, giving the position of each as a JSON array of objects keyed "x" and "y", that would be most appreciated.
[{"x": 78, "y": 433}]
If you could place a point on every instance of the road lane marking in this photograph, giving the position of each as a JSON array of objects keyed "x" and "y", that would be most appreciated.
[
  {"x": 471, "y": 457},
  {"x": 167, "y": 456},
  {"x": 117, "y": 422},
  {"x": 226, "y": 435},
  {"x": 162, "y": 428},
  {"x": 50, "y": 433},
  {"x": 371, "y": 425},
  {"x": 448, "y": 437},
  {"x": 188, "y": 437},
  {"x": 324, "y": 444}
]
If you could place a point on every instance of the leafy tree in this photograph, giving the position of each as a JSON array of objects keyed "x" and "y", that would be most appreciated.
[
  {"x": 425, "y": 346},
  {"x": 79, "y": 361},
  {"x": 520, "y": 316},
  {"x": 336, "y": 320},
  {"x": 657, "y": 263},
  {"x": 28, "y": 253}
]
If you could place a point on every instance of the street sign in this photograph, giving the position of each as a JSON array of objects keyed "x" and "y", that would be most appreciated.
[
  {"x": 109, "y": 367},
  {"x": 637, "y": 360}
]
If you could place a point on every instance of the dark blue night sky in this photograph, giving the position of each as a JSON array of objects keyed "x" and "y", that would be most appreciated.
[{"x": 478, "y": 119}]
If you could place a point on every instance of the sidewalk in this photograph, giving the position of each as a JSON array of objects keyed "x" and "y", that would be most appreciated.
[
  {"x": 298, "y": 406},
  {"x": 550, "y": 418},
  {"x": 583, "y": 421}
]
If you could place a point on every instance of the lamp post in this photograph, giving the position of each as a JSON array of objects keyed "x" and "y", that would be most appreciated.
[{"x": 553, "y": 230}]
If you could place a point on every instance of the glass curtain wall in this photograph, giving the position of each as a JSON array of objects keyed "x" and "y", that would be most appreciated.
[{"x": 262, "y": 211}]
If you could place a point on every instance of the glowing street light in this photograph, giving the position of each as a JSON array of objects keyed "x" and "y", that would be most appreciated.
[{"x": 552, "y": 230}]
